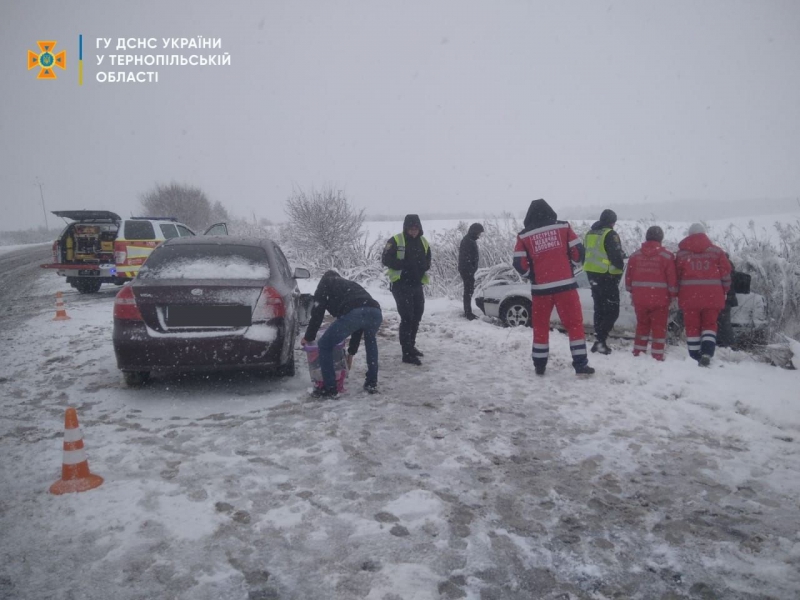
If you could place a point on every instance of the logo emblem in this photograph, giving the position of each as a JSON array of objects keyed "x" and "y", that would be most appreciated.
[
  {"x": 47, "y": 60},
  {"x": 197, "y": 292}
]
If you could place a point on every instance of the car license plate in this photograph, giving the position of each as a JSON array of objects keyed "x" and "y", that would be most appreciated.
[
  {"x": 208, "y": 316},
  {"x": 88, "y": 273}
]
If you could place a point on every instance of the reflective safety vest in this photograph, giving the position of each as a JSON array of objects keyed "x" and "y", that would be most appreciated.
[
  {"x": 596, "y": 260},
  {"x": 400, "y": 240}
]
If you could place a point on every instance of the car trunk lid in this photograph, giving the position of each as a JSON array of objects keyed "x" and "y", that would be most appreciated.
[{"x": 202, "y": 305}]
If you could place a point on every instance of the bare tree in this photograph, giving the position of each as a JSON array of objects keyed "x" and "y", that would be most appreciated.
[
  {"x": 323, "y": 225},
  {"x": 219, "y": 214},
  {"x": 186, "y": 203}
]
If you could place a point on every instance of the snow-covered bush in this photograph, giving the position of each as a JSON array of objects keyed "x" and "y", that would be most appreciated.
[
  {"x": 324, "y": 230},
  {"x": 774, "y": 267},
  {"x": 247, "y": 229}
]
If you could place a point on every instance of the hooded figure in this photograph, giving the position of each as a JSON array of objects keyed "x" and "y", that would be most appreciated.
[
  {"x": 540, "y": 214},
  {"x": 468, "y": 259},
  {"x": 357, "y": 314},
  {"x": 704, "y": 278},
  {"x": 546, "y": 252},
  {"x": 604, "y": 264},
  {"x": 407, "y": 256},
  {"x": 652, "y": 282}
]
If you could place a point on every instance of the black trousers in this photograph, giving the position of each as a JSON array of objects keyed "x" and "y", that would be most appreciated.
[
  {"x": 725, "y": 335},
  {"x": 469, "y": 289},
  {"x": 410, "y": 301},
  {"x": 605, "y": 293}
]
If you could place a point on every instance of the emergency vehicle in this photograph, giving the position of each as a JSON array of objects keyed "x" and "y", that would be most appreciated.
[{"x": 99, "y": 246}]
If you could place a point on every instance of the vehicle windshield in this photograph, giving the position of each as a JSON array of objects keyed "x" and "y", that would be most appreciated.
[{"x": 206, "y": 261}]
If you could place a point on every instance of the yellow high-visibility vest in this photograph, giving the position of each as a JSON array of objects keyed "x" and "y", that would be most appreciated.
[
  {"x": 596, "y": 259},
  {"x": 400, "y": 240}
]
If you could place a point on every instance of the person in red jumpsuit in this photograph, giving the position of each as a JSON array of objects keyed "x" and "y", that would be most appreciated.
[
  {"x": 546, "y": 252},
  {"x": 704, "y": 278},
  {"x": 652, "y": 281}
]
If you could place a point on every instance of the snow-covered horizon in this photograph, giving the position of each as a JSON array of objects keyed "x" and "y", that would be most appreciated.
[{"x": 762, "y": 223}]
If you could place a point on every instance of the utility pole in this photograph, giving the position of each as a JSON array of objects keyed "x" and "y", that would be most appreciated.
[{"x": 44, "y": 210}]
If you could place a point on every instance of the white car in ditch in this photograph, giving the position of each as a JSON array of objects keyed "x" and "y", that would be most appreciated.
[{"x": 510, "y": 302}]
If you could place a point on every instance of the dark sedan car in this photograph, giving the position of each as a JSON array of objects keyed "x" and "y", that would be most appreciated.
[{"x": 208, "y": 303}]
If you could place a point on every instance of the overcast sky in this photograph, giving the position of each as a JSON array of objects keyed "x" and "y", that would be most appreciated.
[{"x": 418, "y": 106}]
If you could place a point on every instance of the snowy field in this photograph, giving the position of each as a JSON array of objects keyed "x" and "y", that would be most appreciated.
[
  {"x": 11, "y": 248},
  {"x": 763, "y": 225},
  {"x": 467, "y": 477}
]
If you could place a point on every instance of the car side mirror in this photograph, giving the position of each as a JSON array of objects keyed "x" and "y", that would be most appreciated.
[{"x": 301, "y": 273}]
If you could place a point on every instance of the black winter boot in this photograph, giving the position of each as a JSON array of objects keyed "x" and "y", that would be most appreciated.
[
  {"x": 584, "y": 370},
  {"x": 601, "y": 347}
]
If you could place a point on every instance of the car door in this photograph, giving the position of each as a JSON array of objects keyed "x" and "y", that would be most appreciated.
[{"x": 217, "y": 229}]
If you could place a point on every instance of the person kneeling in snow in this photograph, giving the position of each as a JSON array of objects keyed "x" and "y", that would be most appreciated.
[
  {"x": 356, "y": 312},
  {"x": 652, "y": 281},
  {"x": 704, "y": 278}
]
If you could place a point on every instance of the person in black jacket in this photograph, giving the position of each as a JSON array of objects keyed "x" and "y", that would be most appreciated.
[
  {"x": 407, "y": 257},
  {"x": 468, "y": 265},
  {"x": 725, "y": 336},
  {"x": 604, "y": 264},
  {"x": 356, "y": 312}
]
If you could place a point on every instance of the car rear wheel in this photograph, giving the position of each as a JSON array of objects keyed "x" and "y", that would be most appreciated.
[
  {"x": 136, "y": 378},
  {"x": 287, "y": 370},
  {"x": 516, "y": 312}
]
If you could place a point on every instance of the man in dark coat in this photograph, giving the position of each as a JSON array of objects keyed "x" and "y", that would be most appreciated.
[
  {"x": 725, "y": 335},
  {"x": 468, "y": 265},
  {"x": 604, "y": 264},
  {"x": 407, "y": 257},
  {"x": 356, "y": 313}
]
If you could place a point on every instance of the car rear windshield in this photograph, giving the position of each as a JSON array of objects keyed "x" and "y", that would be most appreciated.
[
  {"x": 139, "y": 230},
  {"x": 206, "y": 261}
]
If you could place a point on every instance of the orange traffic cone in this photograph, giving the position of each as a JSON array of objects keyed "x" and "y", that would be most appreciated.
[
  {"x": 75, "y": 475},
  {"x": 61, "y": 312}
]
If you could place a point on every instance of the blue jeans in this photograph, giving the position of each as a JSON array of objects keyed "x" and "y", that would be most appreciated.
[{"x": 367, "y": 319}]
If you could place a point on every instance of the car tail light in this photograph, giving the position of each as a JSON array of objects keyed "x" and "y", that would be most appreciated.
[
  {"x": 120, "y": 253},
  {"x": 269, "y": 306},
  {"x": 125, "y": 305}
]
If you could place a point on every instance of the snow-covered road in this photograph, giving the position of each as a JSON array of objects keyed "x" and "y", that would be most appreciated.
[{"x": 467, "y": 477}]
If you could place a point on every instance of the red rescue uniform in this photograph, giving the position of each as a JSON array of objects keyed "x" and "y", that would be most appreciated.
[
  {"x": 546, "y": 252},
  {"x": 704, "y": 278},
  {"x": 652, "y": 281}
]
